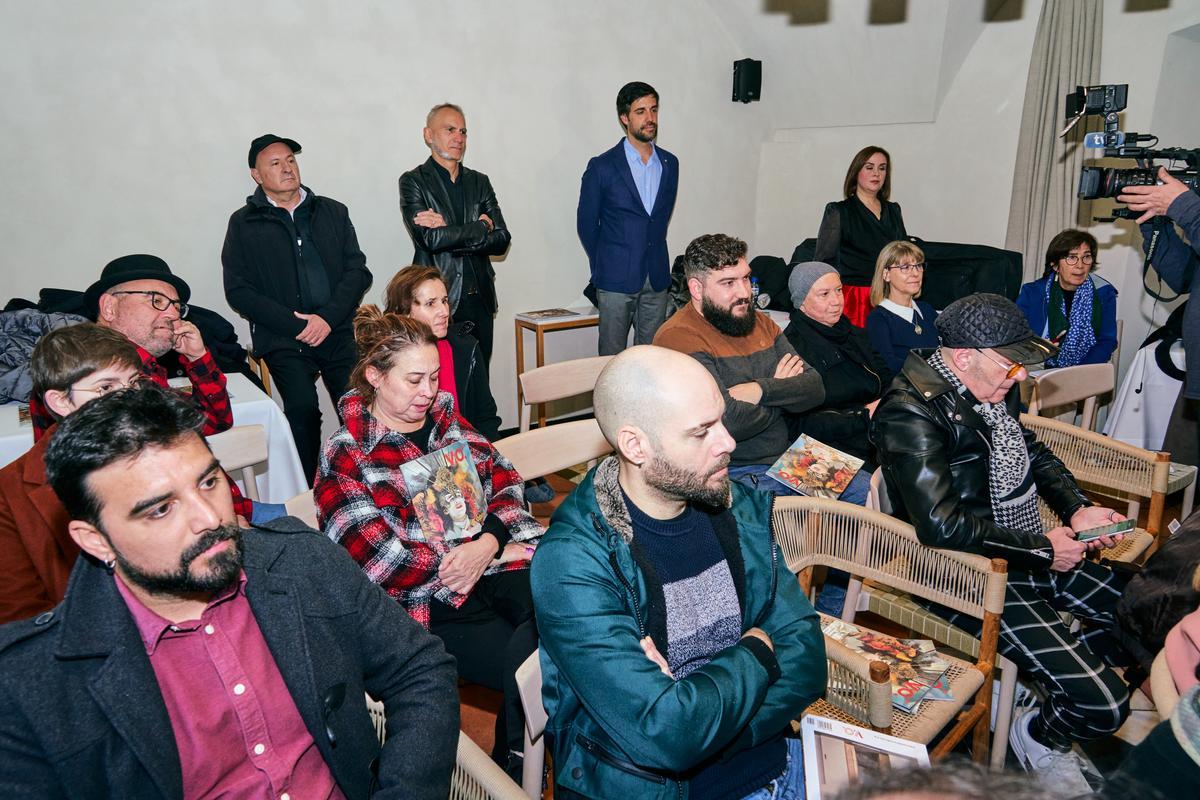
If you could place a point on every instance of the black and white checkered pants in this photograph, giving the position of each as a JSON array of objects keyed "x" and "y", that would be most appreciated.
[{"x": 1084, "y": 698}]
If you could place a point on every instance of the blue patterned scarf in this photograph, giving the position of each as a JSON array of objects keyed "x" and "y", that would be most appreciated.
[{"x": 1081, "y": 334}]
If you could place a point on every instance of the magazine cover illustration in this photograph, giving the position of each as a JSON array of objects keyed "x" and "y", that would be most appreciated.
[
  {"x": 917, "y": 669},
  {"x": 815, "y": 469},
  {"x": 446, "y": 493}
]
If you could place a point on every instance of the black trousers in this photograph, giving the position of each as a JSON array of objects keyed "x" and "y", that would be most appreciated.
[
  {"x": 295, "y": 375},
  {"x": 471, "y": 307},
  {"x": 490, "y": 636}
]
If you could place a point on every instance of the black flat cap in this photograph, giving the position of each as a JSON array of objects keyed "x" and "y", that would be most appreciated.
[
  {"x": 991, "y": 321},
  {"x": 265, "y": 141},
  {"x": 135, "y": 267}
]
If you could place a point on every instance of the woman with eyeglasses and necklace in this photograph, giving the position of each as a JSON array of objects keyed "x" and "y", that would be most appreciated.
[
  {"x": 1070, "y": 306},
  {"x": 899, "y": 322},
  {"x": 856, "y": 228}
]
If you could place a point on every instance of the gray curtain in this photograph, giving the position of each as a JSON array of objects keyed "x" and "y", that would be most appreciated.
[{"x": 1066, "y": 54}]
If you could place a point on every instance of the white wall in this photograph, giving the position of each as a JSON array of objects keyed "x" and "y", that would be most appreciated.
[{"x": 127, "y": 124}]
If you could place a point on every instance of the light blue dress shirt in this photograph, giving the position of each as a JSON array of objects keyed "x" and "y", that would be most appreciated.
[{"x": 646, "y": 176}]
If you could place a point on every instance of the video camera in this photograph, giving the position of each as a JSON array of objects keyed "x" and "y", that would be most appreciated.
[{"x": 1096, "y": 182}]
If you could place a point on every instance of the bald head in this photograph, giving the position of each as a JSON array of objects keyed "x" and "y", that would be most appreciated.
[{"x": 644, "y": 386}]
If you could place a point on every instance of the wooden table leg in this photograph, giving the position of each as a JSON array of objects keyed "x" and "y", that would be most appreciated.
[
  {"x": 541, "y": 362},
  {"x": 520, "y": 363}
]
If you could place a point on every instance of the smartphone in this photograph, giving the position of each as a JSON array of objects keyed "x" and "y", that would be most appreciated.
[{"x": 1124, "y": 526}]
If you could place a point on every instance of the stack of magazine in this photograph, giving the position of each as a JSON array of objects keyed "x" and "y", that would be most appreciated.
[{"x": 918, "y": 672}]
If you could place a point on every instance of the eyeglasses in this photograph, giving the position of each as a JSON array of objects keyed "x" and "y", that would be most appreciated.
[
  {"x": 1073, "y": 259},
  {"x": 159, "y": 301},
  {"x": 907, "y": 268},
  {"x": 104, "y": 387},
  {"x": 1013, "y": 369}
]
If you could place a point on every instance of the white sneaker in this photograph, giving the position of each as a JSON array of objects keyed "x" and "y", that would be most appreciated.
[{"x": 1064, "y": 772}]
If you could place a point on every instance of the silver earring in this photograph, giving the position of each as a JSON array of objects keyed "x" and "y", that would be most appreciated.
[{"x": 108, "y": 565}]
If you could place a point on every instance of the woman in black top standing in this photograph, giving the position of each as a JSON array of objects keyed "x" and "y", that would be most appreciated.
[{"x": 855, "y": 229}]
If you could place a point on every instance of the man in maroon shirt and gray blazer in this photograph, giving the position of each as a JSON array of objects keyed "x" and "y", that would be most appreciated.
[{"x": 193, "y": 658}]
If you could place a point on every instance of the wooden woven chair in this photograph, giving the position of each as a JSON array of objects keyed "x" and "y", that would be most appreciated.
[
  {"x": 543, "y": 451},
  {"x": 557, "y": 382},
  {"x": 529, "y": 685},
  {"x": 239, "y": 449},
  {"x": 476, "y": 776},
  {"x": 1162, "y": 686},
  {"x": 818, "y": 532},
  {"x": 1112, "y": 469},
  {"x": 303, "y": 508},
  {"x": 259, "y": 367},
  {"x": 1068, "y": 386}
]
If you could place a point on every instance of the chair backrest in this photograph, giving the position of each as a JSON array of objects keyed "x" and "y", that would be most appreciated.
[
  {"x": 877, "y": 497},
  {"x": 1068, "y": 385},
  {"x": 303, "y": 508},
  {"x": 529, "y": 685},
  {"x": 816, "y": 531},
  {"x": 239, "y": 449},
  {"x": 476, "y": 776},
  {"x": 558, "y": 382},
  {"x": 378, "y": 718},
  {"x": 1102, "y": 463},
  {"x": 546, "y": 450}
]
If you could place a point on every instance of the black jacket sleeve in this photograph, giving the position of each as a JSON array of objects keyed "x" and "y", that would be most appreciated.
[
  {"x": 471, "y": 237},
  {"x": 914, "y": 453},
  {"x": 355, "y": 278},
  {"x": 829, "y": 235}
]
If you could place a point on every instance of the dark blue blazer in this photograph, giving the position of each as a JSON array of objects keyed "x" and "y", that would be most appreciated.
[{"x": 625, "y": 244}]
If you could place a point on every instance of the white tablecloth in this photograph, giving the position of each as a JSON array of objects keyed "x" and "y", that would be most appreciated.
[
  {"x": 280, "y": 479},
  {"x": 1142, "y": 407}
]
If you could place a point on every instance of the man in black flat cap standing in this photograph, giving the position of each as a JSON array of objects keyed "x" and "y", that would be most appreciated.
[
  {"x": 293, "y": 268},
  {"x": 961, "y": 467}
]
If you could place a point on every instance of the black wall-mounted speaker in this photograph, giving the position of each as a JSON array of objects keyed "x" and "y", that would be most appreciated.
[{"x": 747, "y": 80}]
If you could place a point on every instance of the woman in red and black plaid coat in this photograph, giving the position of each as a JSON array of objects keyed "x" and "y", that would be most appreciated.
[{"x": 473, "y": 594}]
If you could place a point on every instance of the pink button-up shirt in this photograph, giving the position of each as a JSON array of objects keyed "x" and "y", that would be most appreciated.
[{"x": 237, "y": 729}]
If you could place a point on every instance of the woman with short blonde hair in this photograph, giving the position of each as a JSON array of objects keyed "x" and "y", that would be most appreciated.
[{"x": 899, "y": 322}]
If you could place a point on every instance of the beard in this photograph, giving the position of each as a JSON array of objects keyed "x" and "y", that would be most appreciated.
[
  {"x": 725, "y": 320},
  {"x": 676, "y": 482},
  {"x": 224, "y": 567},
  {"x": 643, "y": 136}
]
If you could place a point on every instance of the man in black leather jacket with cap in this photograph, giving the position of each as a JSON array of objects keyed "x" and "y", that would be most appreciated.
[
  {"x": 293, "y": 268},
  {"x": 960, "y": 466}
]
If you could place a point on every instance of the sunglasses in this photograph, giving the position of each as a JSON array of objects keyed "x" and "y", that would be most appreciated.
[{"x": 1013, "y": 369}]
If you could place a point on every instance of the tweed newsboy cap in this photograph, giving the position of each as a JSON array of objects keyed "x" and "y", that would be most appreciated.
[{"x": 992, "y": 321}]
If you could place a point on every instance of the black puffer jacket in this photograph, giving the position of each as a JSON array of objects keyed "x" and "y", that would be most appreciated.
[
  {"x": 854, "y": 375},
  {"x": 935, "y": 450},
  {"x": 475, "y": 401}
]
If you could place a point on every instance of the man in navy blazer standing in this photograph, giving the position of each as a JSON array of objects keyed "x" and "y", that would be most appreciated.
[{"x": 625, "y": 203}]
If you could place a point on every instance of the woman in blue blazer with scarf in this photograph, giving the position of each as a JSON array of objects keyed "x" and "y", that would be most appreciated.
[{"x": 1069, "y": 305}]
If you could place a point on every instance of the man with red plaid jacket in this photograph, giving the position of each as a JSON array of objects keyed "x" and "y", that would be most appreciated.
[{"x": 138, "y": 296}]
